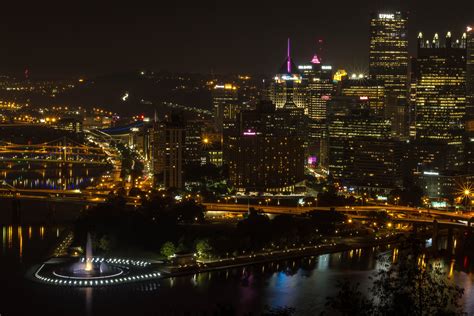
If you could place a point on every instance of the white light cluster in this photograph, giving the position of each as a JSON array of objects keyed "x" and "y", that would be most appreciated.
[
  {"x": 386, "y": 16},
  {"x": 105, "y": 281}
]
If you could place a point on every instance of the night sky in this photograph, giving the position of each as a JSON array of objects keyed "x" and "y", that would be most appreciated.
[{"x": 80, "y": 38}]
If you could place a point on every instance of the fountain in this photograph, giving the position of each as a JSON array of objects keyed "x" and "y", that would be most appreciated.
[
  {"x": 89, "y": 265},
  {"x": 94, "y": 271}
]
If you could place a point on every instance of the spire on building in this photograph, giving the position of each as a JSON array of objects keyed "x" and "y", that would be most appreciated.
[
  {"x": 317, "y": 58},
  {"x": 288, "y": 58},
  {"x": 288, "y": 66}
]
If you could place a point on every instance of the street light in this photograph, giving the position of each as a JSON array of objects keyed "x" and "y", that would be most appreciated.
[{"x": 467, "y": 196}]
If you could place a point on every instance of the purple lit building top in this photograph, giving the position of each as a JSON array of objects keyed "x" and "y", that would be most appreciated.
[{"x": 315, "y": 60}]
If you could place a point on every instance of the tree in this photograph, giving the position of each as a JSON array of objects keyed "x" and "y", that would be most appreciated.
[
  {"x": 408, "y": 287},
  {"x": 117, "y": 200},
  {"x": 411, "y": 195},
  {"x": 350, "y": 301},
  {"x": 326, "y": 221},
  {"x": 168, "y": 249},
  {"x": 284, "y": 229},
  {"x": 381, "y": 217},
  {"x": 189, "y": 212},
  {"x": 330, "y": 197},
  {"x": 413, "y": 288},
  {"x": 136, "y": 192},
  {"x": 278, "y": 311},
  {"x": 106, "y": 243},
  {"x": 254, "y": 231},
  {"x": 203, "y": 248}
]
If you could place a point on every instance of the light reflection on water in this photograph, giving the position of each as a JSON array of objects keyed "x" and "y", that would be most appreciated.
[
  {"x": 16, "y": 243},
  {"x": 53, "y": 176},
  {"x": 303, "y": 283}
]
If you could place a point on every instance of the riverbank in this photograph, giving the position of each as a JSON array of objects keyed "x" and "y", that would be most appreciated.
[
  {"x": 201, "y": 266},
  {"x": 279, "y": 255}
]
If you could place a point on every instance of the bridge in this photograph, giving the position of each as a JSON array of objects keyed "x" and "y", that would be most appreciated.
[
  {"x": 297, "y": 210},
  {"x": 63, "y": 151},
  {"x": 401, "y": 214}
]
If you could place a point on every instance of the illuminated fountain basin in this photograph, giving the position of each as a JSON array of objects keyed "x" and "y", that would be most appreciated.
[
  {"x": 90, "y": 268},
  {"x": 95, "y": 271}
]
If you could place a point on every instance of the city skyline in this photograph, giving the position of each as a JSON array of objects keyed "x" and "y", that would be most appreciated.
[
  {"x": 55, "y": 41},
  {"x": 215, "y": 158}
]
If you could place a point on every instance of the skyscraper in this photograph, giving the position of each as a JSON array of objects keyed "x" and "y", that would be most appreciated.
[
  {"x": 317, "y": 79},
  {"x": 319, "y": 84},
  {"x": 470, "y": 100},
  {"x": 470, "y": 72},
  {"x": 225, "y": 101},
  {"x": 370, "y": 90},
  {"x": 287, "y": 89},
  {"x": 168, "y": 150},
  {"x": 440, "y": 76},
  {"x": 266, "y": 152},
  {"x": 361, "y": 152},
  {"x": 389, "y": 53}
]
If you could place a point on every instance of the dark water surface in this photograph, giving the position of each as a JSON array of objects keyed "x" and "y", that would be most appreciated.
[
  {"x": 303, "y": 284},
  {"x": 49, "y": 176}
]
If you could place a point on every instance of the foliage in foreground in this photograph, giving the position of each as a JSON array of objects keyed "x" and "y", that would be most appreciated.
[{"x": 408, "y": 287}]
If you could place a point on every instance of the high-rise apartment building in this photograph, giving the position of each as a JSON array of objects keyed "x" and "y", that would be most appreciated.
[
  {"x": 389, "y": 53},
  {"x": 266, "y": 152},
  {"x": 168, "y": 152}
]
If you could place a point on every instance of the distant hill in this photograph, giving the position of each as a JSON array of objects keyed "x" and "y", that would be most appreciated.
[{"x": 125, "y": 93}]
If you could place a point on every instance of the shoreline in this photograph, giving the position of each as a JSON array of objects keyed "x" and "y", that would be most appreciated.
[
  {"x": 296, "y": 253},
  {"x": 167, "y": 271}
]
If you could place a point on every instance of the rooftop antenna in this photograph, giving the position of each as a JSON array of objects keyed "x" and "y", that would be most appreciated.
[
  {"x": 288, "y": 59},
  {"x": 320, "y": 49},
  {"x": 317, "y": 58}
]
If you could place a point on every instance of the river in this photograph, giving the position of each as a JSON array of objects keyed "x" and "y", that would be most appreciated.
[
  {"x": 48, "y": 176},
  {"x": 302, "y": 284}
]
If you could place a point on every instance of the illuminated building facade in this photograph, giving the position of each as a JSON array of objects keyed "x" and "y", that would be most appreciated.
[
  {"x": 196, "y": 140},
  {"x": 389, "y": 53},
  {"x": 362, "y": 154},
  {"x": 287, "y": 89},
  {"x": 319, "y": 84},
  {"x": 470, "y": 99},
  {"x": 168, "y": 152},
  {"x": 440, "y": 75},
  {"x": 442, "y": 186},
  {"x": 470, "y": 72},
  {"x": 225, "y": 100},
  {"x": 369, "y": 90},
  {"x": 265, "y": 152},
  {"x": 317, "y": 79}
]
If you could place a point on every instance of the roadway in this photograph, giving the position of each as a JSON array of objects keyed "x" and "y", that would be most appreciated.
[{"x": 272, "y": 209}]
